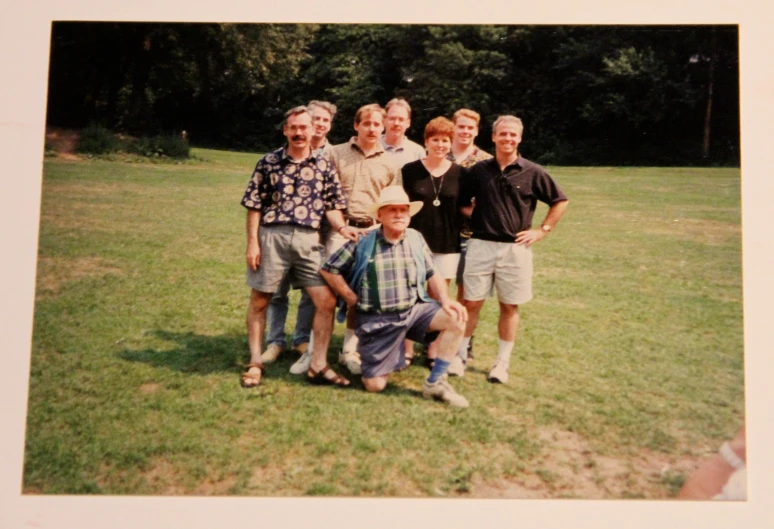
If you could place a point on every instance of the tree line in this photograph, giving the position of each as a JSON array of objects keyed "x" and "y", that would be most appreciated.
[{"x": 588, "y": 95}]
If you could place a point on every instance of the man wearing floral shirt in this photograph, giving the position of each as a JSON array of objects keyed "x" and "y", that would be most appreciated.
[
  {"x": 322, "y": 113},
  {"x": 290, "y": 191}
]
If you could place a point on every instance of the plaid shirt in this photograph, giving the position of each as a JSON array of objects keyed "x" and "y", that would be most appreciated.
[
  {"x": 393, "y": 267},
  {"x": 289, "y": 192}
]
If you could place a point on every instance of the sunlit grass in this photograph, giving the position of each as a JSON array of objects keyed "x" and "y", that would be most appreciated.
[{"x": 632, "y": 346}]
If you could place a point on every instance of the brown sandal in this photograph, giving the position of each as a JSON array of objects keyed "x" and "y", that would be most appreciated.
[
  {"x": 249, "y": 379},
  {"x": 318, "y": 377}
]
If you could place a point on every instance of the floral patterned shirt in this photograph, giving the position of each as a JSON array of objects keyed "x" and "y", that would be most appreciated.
[
  {"x": 289, "y": 192},
  {"x": 476, "y": 156}
]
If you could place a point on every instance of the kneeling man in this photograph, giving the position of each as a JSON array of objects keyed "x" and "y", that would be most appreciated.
[{"x": 388, "y": 277}]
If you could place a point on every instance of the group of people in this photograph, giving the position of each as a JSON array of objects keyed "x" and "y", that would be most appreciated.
[{"x": 384, "y": 224}]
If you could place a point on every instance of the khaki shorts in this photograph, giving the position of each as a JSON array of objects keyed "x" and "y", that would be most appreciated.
[
  {"x": 287, "y": 250},
  {"x": 337, "y": 240},
  {"x": 506, "y": 266},
  {"x": 445, "y": 264}
]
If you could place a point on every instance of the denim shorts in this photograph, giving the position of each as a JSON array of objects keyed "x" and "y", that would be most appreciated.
[{"x": 381, "y": 336}]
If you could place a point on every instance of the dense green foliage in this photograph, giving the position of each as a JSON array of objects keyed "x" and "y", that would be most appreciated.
[
  {"x": 628, "y": 368},
  {"x": 162, "y": 145},
  {"x": 621, "y": 95},
  {"x": 96, "y": 139}
]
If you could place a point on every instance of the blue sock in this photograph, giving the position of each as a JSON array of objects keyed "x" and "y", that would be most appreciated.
[{"x": 439, "y": 368}]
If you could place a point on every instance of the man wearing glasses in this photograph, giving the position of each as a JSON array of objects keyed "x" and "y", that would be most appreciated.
[
  {"x": 289, "y": 193},
  {"x": 394, "y": 141}
]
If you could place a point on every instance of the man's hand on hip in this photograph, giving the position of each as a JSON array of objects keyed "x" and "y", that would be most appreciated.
[{"x": 529, "y": 237}]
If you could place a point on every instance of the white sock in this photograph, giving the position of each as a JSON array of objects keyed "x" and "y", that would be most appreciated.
[
  {"x": 504, "y": 351},
  {"x": 350, "y": 341},
  {"x": 462, "y": 352},
  {"x": 311, "y": 342}
]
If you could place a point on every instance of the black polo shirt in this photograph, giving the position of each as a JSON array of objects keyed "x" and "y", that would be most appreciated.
[{"x": 506, "y": 200}]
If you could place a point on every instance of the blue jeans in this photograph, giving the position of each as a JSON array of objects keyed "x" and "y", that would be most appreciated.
[{"x": 278, "y": 313}]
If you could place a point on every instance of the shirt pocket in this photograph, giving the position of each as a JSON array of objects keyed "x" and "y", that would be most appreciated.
[{"x": 519, "y": 188}]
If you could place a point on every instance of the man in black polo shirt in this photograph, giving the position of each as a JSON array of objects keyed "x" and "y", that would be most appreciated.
[{"x": 499, "y": 252}]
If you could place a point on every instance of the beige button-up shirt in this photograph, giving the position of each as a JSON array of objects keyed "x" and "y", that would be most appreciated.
[{"x": 363, "y": 177}]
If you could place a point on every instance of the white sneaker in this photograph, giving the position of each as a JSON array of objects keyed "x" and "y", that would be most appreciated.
[
  {"x": 302, "y": 364},
  {"x": 271, "y": 353},
  {"x": 457, "y": 367},
  {"x": 442, "y": 390},
  {"x": 300, "y": 348},
  {"x": 499, "y": 373},
  {"x": 352, "y": 361}
]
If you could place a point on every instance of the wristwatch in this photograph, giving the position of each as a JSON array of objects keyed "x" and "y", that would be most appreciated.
[
  {"x": 545, "y": 227},
  {"x": 731, "y": 457}
]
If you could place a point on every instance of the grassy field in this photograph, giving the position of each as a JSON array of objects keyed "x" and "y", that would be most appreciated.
[{"x": 627, "y": 371}]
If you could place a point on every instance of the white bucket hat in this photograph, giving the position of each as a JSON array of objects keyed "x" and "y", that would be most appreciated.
[{"x": 392, "y": 196}]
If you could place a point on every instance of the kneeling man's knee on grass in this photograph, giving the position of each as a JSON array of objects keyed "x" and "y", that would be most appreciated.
[{"x": 375, "y": 385}]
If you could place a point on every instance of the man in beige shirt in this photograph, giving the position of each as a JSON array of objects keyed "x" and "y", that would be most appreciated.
[{"x": 364, "y": 168}]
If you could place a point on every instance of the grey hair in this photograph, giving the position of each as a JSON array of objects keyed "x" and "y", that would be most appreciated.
[
  {"x": 296, "y": 111},
  {"x": 330, "y": 107},
  {"x": 508, "y": 119}
]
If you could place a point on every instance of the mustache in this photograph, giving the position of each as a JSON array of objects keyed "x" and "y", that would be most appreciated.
[{"x": 298, "y": 137}]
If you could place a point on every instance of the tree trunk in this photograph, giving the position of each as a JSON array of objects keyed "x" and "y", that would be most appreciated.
[{"x": 705, "y": 152}]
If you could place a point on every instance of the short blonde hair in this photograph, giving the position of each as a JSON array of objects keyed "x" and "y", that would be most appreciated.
[
  {"x": 467, "y": 113},
  {"x": 508, "y": 119},
  {"x": 330, "y": 107},
  {"x": 398, "y": 101},
  {"x": 368, "y": 109},
  {"x": 439, "y": 126}
]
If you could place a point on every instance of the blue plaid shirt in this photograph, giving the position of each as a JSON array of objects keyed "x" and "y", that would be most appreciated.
[
  {"x": 290, "y": 192},
  {"x": 393, "y": 267}
]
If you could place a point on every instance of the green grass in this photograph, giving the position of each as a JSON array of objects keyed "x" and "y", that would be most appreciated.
[{"x": 632, "y": 349}]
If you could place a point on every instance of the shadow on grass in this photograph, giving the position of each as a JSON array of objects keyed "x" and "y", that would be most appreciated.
[
  {"x": 195, "y": 353},
  {"x": 202, "y": 355}
]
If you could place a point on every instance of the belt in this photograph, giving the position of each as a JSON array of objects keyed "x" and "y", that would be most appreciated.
[{"x": 360, "y": 223}]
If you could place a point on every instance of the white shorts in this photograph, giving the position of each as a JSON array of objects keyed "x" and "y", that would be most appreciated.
[
  {"x": 445, "y": 264},
  {"x": 505, "y": 265}
]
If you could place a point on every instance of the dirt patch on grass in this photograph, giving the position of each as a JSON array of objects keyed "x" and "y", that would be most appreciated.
[
  {"x": 567, "y": 468},
  {"x": 162, "y": 478},
  {"x": 63, "y": 142},
  {"x": 53, "y": 273}
]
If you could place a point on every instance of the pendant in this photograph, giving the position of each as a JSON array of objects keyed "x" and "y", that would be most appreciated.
[{"x": 436, "y": 202}]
